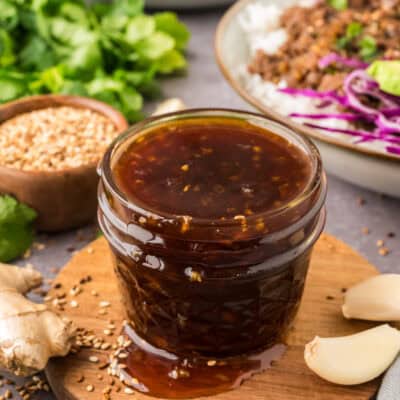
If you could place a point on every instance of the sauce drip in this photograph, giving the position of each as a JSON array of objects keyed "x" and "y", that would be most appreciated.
[{"x": 156, "y": 372}]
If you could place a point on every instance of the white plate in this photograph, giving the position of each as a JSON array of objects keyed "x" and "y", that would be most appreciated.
[
  {"x": 186, "y": 4},
  {"x": 375, "y": 171}
]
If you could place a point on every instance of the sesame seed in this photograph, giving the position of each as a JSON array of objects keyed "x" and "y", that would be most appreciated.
[
  {"x": 384, "y": 251},
  {"x": 104, "y": 365},
  {"x": 107, "y": 390},
  {"x": 90, "y": 388},
  {"x": 74, "y": 304}
]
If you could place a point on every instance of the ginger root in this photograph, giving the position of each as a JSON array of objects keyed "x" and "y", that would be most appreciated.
[{"x": 30, "y": 333}]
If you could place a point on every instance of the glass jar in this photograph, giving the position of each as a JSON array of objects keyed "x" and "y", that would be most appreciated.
[{"x": 210, "y": 288}]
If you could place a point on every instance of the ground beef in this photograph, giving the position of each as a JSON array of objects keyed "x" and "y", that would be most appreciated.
[{"x": 314, "y": 32}]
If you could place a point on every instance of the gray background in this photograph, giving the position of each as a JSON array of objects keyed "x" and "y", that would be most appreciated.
[{"x": 204, "y": 86}]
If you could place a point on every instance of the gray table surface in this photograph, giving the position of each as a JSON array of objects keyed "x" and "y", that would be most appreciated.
[{"x": 204, "y": 86}]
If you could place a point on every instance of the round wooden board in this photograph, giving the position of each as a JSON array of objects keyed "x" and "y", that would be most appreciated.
[{"x": 334, "y": 266}]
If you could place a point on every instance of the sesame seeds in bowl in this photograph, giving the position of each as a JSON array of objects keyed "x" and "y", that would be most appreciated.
[
  {"x": 50, "y": 146},
  {"x": 55, "y": 139}
]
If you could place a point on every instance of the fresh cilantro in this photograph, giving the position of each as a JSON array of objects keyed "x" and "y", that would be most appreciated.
[
  {"x": 353, "y": 39},
  {"x": 338, "y": 4},
  {"x": 108, "y": 50},
  {"x": 342, "y": 42},
  {"x": 353, "y": 31},
  {"x": 16, "y": 232},
  {"x": 368, "y": 48}
]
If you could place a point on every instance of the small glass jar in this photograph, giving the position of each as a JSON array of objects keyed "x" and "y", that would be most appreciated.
[{"x": 210, "y": 288}]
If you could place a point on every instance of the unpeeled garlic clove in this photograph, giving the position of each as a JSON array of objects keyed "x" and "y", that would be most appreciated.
[
  {"x": 376, "y": 299},
  {"x": 354, "y": 359}
]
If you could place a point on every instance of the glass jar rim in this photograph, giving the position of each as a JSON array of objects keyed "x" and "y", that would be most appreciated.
[{"x": 105, "y": 170}]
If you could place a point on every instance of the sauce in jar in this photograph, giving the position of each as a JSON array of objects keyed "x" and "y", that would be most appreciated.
[
  {"x": 211, "y": 216},
  {"x": 213, "y": 169}
]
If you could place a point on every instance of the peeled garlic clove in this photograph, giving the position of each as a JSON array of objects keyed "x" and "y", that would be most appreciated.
[
  {"x": 354, "y": 359},
  {"x": 170, "y": 105},
  {"x": 376, "y": 299}
]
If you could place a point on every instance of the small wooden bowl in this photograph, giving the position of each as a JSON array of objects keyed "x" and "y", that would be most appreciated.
[{"x": 63, "y": 199}]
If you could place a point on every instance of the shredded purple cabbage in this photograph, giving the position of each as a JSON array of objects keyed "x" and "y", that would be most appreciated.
[
  {"x": 344, "y": 117},
  {"x": 334, "y": 58},
  {"x": 393, "y": 150},
  {"x": 363, "y": 102},
  {"x": 331, "y": 96}
]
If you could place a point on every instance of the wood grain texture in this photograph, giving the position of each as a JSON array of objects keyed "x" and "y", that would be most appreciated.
[{"x": 334, "y": 266}]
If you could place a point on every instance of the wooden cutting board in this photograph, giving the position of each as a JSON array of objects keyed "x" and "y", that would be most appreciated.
[{"x": 335, "y": 266}]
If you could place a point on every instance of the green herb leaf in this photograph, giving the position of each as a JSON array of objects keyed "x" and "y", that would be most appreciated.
[
  {"x": 75, "y": 13},
  {"x": 171, "y": 61},
  {"x": 168, "y": 22},
  {"x": 342, "y": 42},
  {"x": 36, "y": 55},
  {"x": 368, "y": 48},
  {"x": 353, "y": 30},
  {"x": 16, "y": 232},
  {"x": 387, "y": 74},
  {"x": 51, "y": 80},
  {"x": 13, "y": 212},
  {"x": 130, "y": 8},
  {"x": 70, "y": 33},
  {"x": 8, "y": 15},
  {"x": 139, "y": 27},
  {"x": 12, "y": 86},
  {"x": 7, "y": 56},
  {"x": 84, "y": 60},
  {"x": 155, "y": 46},
  {"x": 114, "y": 23},
  {"x": 74, "y": 88},
  {"x": 338, "y": 4},
  {"x": 14, "y": 241}
]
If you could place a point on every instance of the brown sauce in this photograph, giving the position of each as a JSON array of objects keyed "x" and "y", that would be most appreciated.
[
  {"x": 211, "y": 253},
  {"x": 213, "y": 169},
  {"x": 153, "y": 371}
]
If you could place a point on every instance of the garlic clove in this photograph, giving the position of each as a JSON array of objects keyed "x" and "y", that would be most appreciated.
[
  {"x": 376, "y": 299},
  {"x": 354, "y": 359},
  {"x": 170, "y": 105}
]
